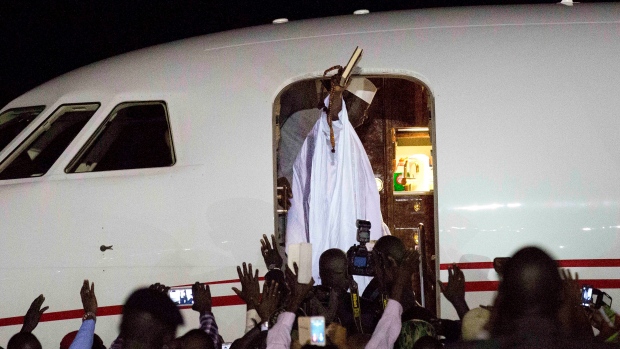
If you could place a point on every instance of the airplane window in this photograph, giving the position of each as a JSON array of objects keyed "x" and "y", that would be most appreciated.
[
  {"x": 35, "y": 156},
  {"x": 135, "y": 135},
  {"x": 13, "y": 121}
]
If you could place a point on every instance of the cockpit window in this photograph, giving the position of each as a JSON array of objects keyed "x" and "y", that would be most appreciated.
[
  {"x": 14, "y": 121},
  {"x": 135, "y": 135},
  {"x": 35, "y": 156}
]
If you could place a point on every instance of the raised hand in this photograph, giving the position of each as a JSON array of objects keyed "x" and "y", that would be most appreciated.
[
  {"x": 202, "y": 298},
  {"x": 454, "y": 291},
  {"x": 404, "y": 271},
  {"x": 249, "y": 285},
  {"x": 298, "y": 291},
  {"x": 270, "y": 252},
  {"x": 160, "y": 288},
  {"x": 89, "y": 300},
  {"x": 33, "y": 315},
  {"x": 269, "y": 301},
  {"x": 570, "y": 287}
]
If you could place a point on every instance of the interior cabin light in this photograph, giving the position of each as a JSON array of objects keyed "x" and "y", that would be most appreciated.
[
  {"x": 413, "y": 129},
  {"x": 361, "y": 12},
  {"x": 280, "y": 21}
]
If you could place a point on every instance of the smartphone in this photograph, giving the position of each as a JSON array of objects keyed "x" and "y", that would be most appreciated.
[
  {"x": 311, "y": 330},
  {"x": 317, "y": 330},
  {"x": 586, "y": 295},
  {"x": 593, "y": 297},
  {"x": 181, "y": 295}
]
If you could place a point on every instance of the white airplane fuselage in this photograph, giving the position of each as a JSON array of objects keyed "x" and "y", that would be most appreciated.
[{"x": 526, "y": 120}]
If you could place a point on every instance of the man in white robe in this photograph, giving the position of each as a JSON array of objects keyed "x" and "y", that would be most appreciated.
[{"x": 332, "y": 190}]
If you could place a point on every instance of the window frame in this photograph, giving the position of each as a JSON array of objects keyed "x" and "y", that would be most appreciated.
[
  {"x": 42, "y": 127},
  {"x": 75, "y": 161},
  {"x": 33, "y": 107}
]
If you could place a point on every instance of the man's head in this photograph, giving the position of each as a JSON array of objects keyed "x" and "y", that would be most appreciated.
[
  {"x": 278, "y": 276},
  {"x": 149, "y": 318},
  {"x": 531, "y": 286},
  {"x": 357, "y": 97},
  {"x": 24, "y": 340},
  {"x": 387, "y": 250},
  {"x": 197, "y": 339},
  {"x": 333, "y": 269}
]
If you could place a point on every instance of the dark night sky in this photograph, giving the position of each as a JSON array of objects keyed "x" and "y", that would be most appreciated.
[{"x": 41, "y": 40}]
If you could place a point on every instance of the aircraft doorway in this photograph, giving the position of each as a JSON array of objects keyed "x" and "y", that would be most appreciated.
[{"x": 397, "y": 138}]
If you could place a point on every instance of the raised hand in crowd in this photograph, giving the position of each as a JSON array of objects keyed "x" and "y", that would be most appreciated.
[
  {"x": 403, "y": 273},
  {"x": 298, "y": 291},
  {"x": 573, "y": 317},
  {"x": 33, "y": 315},
  {"x": 160, "y": 288},
  {"x": 249, "y": 285},
  {"x": 89, "y": 300},
  {"x": 202, "y": 298},
  {"x": 454, "y": 291},
  {"x": 269, "y": 301},
  {"x": 270, "y": 253}
]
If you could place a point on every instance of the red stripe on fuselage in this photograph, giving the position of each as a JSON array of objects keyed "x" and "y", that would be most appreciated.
[
  {"x": 564, "y": 263},
  {"x": 221, "y": 301},
  {"x": 491, "y": 286}
]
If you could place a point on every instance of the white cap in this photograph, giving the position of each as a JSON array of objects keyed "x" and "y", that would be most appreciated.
[{"x": 363, "y": 88}]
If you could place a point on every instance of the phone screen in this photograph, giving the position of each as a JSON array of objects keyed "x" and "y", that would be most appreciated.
[
  {"x": 586, "y": 295},
  {"x": 181, "y": 296},
  {"x": 317, "y": 330}
]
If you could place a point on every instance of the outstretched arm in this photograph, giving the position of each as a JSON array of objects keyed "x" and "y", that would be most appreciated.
[
  {"x": 84, "y": 337},
  {"x": 454, "y": 291},
  {"x": 203, "y": 305},
  {"x": 33, "y": 315}
]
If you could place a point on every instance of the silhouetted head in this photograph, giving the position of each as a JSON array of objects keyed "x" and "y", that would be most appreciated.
[
  {"x": 387, "y": 247},
  {"x": 24, "y": 340},
  {"x": 531, "y": 287},
  {"x": 333, "y": 269},
  {"x": 278, "y": 276},
  {"x": 149, "y": 318},
  {"x": 197, "y": 339},
  {"x": 357, "y": 109}
]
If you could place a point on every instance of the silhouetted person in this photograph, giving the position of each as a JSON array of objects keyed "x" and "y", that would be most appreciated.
[
  {"x": 197, "y": 339},
  {"x": 24, "y": 340},
  {"x": 335, "y": 297},
  {"x": 388, "y": 253},
  {"x": 526, "y": 310},
  {"x": 150, "y": 320}
]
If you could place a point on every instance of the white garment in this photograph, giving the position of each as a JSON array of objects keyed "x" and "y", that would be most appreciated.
[
  {"x": 389, "y": 327},
  {"x": 331, "y": 191},
  {"x": 292, "y": 136}
]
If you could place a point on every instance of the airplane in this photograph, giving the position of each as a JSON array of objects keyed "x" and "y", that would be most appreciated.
[{"x": 517, "y": 107}]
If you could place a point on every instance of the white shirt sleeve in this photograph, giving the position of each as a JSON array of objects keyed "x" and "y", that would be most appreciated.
[
  {"x": 251, "y": 319},
  {"x": 388, "y": 329},
  {"x": 279, "y": 336}
]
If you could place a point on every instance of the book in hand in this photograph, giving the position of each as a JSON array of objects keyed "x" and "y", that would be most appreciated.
[{"x": 348, "y": 69}]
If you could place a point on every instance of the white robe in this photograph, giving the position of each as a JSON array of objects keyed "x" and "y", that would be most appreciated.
[{"x": 331, "y": 191}]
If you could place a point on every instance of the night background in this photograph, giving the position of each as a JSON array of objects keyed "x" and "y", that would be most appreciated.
[{"x": 41, "y": 40}]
